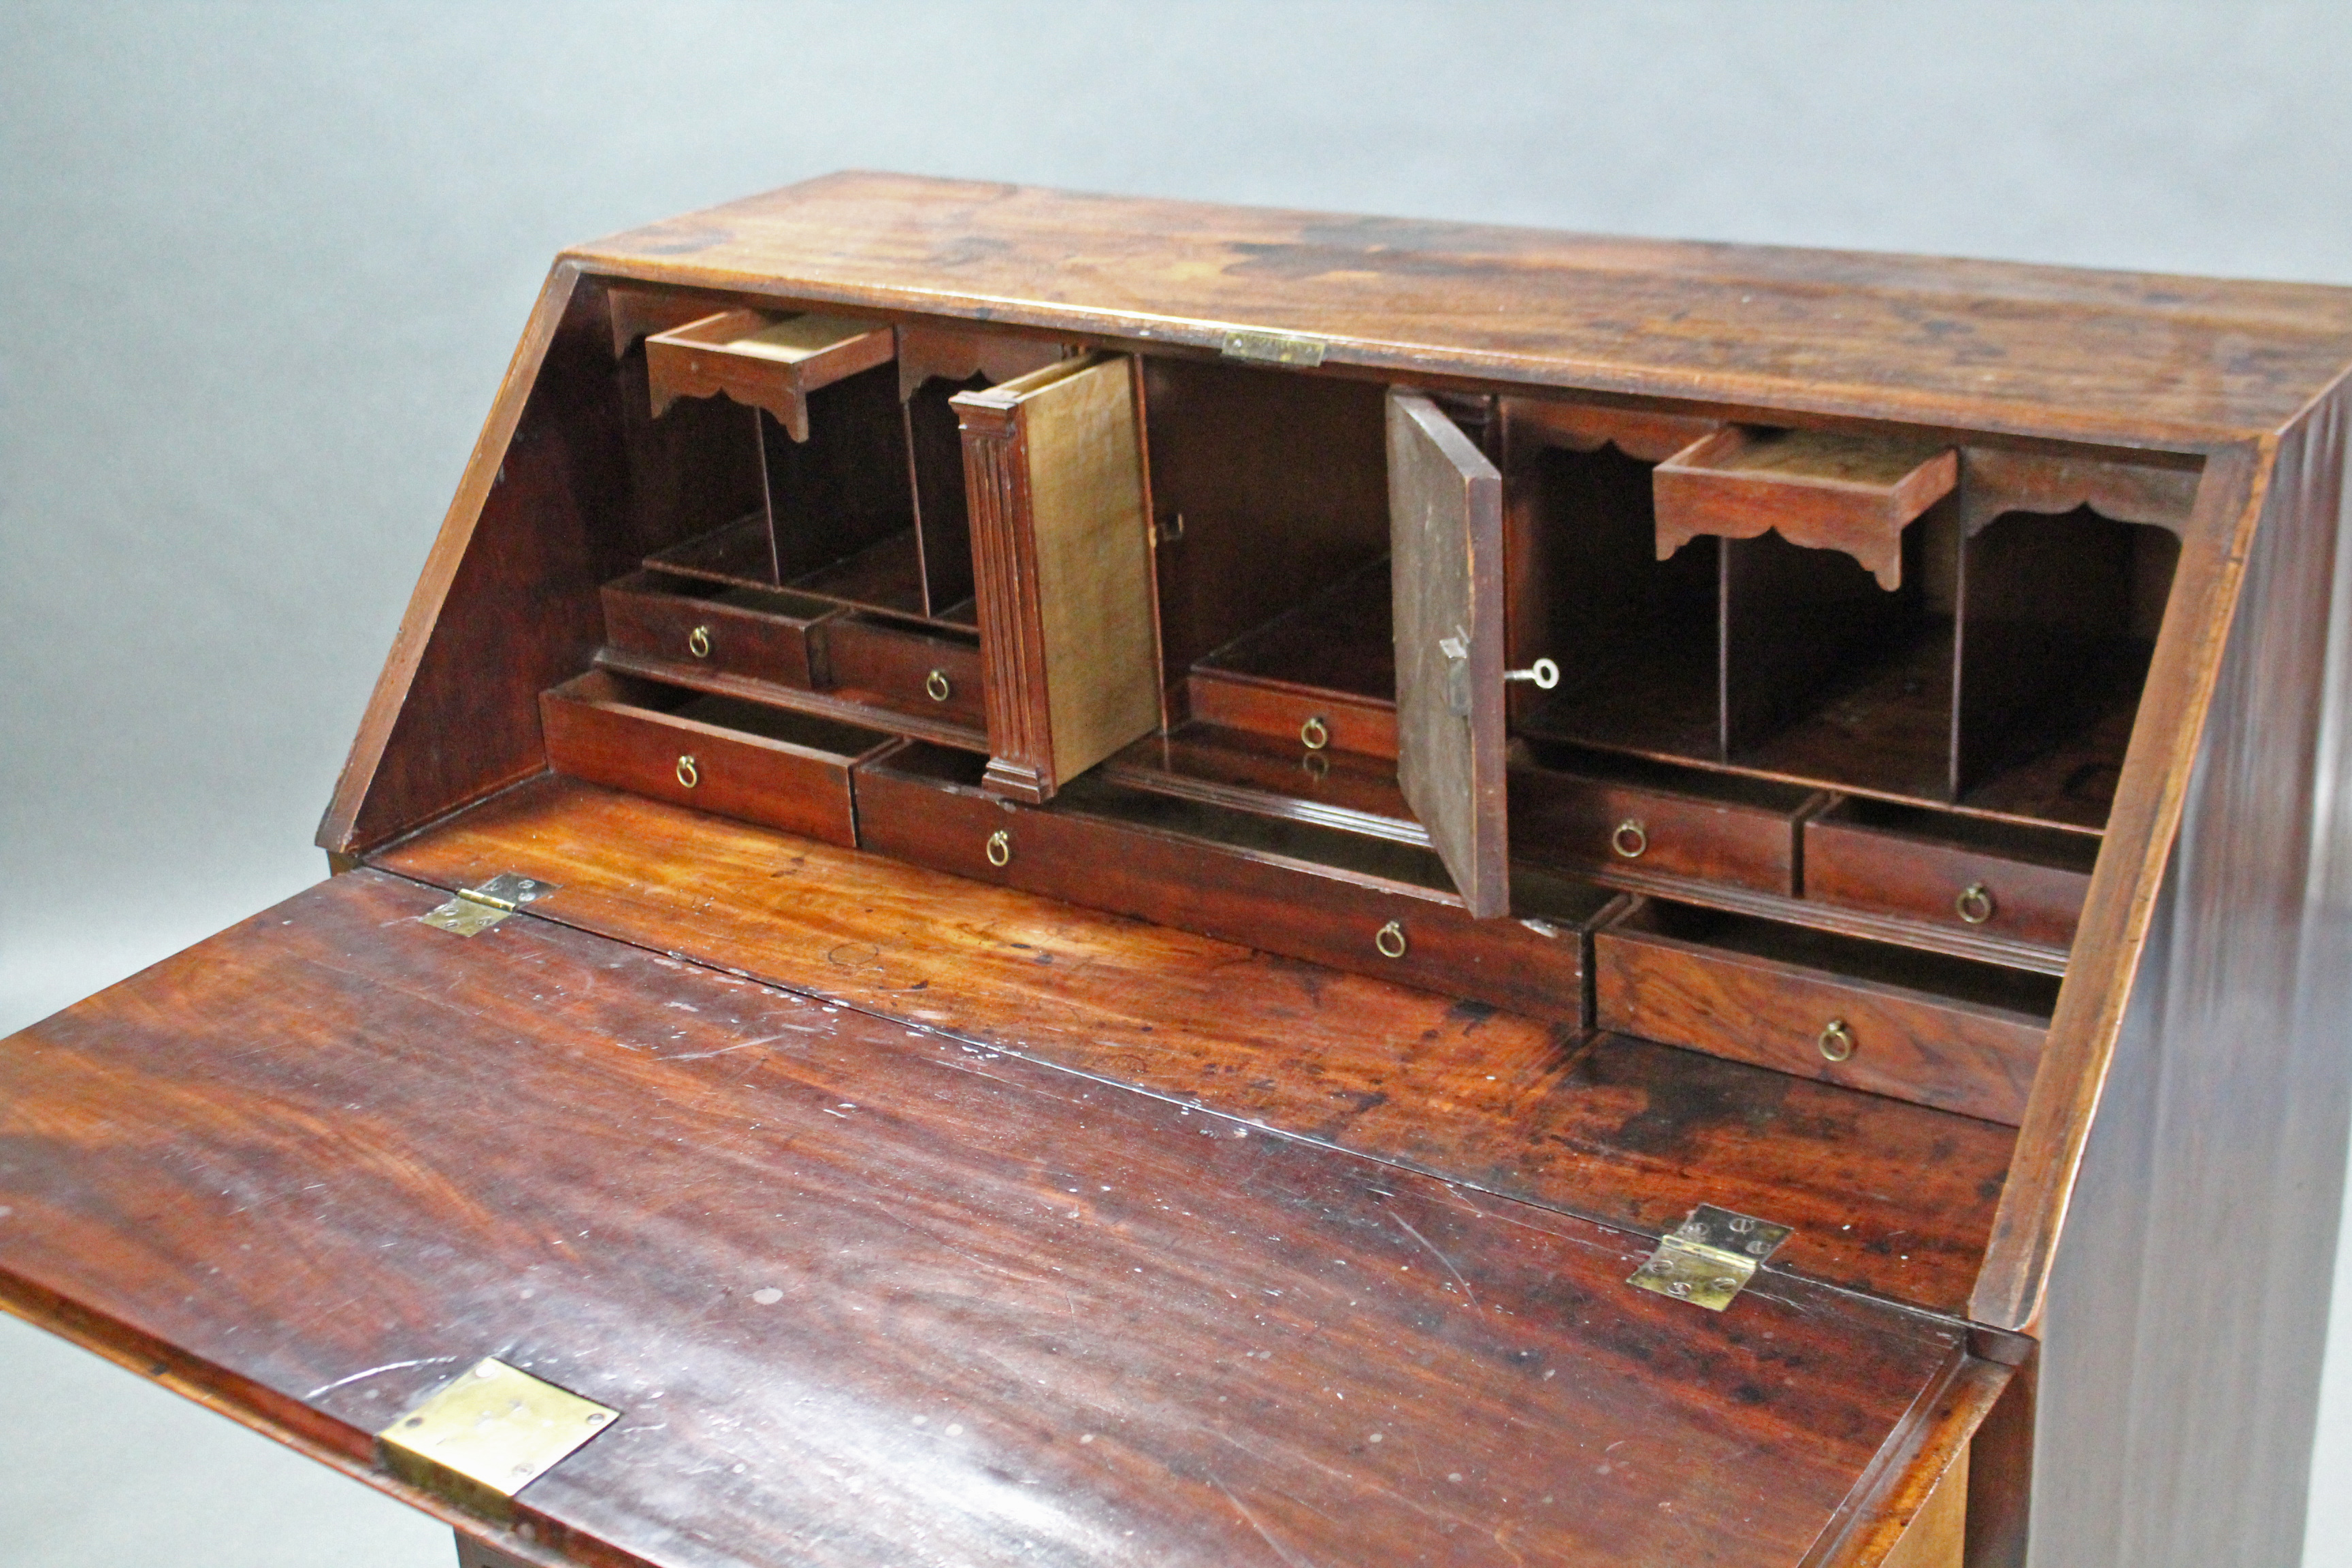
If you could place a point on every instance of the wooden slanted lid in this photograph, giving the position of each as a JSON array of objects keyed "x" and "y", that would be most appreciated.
[
  {"x": 2137, "y": 359},
  {"x": 864, "y": 1294}
]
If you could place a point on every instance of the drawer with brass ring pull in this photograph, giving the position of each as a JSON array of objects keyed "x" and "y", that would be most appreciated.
[
  {"x": 1948, "y": 1032},
  {"x": 1296, "y": 889},
  {"x": 1999, "y": 879},
  {"x": 1649, "y": 823},
  {"x": 714, "y": 753},
  {"x": 926, "y": 670},
  {"x": 760, "y": 633}
]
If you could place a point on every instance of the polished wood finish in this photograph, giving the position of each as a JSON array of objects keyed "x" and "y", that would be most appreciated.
[
  {"x": 1062, "y": 547},
  {"x": 1286, "y": 887},
  {"x": 1593, "y": 812},
  {"x": 905, "y": 669},
  {"x": 762, "y": 362},
  {"x": 1886, "y": 1197},
  {"x": 1276, "y": 777},
  {"x": 1957, "y": 1036},
  {"x": 999, "y": 1286},
  {"x": 718, "y": 754},
  {"x": 1816, "y": 489},
  {"x": 757, "y": 635},
  {"x": 2120, "y": 625},
  {"x": 2053, "y": 352},
  {"x": 1445, "y": 508},
  {"x": 1959, "y": 871}
]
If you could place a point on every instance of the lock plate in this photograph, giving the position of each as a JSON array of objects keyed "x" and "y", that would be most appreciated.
[
  {"x": 477, "y": 909},
  {"x": 482, "y": 1438},
  {"x": 1708, "y": 1259}
]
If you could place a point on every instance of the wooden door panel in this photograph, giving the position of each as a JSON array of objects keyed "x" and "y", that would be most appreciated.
[{"x": 1445, "y": 517}]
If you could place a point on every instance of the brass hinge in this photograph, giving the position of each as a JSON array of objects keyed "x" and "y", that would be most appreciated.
[
  {"x": 484, "y": 1437},
  {"x": 475, "y": 909},
  {"x": 1710, "y": 1257},
  {"x": 1273, "y": 348}
]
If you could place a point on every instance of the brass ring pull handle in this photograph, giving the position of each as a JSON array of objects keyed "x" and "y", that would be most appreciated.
[
  {"x": 687, "y": 773},
  {"x": 1000, "y": 848},
  {"x": 1836, "y": 1041},
  {"x": 1631, "y": 838},
  {"x": 1315, "y": 734},
  {"x": 1975, "y": 905},
  {"x": 1389, "y": 940},
  {"x": 936, "y": 687},
  {"x": 1543, "y": 672},
  {"x": 698, "y": 642}
]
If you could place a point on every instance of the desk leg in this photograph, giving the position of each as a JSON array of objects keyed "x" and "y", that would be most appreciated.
[{"x": 472, "y": 1553}]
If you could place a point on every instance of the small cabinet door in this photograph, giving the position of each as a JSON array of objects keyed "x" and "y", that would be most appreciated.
[{"x": 1445, "y": 522}]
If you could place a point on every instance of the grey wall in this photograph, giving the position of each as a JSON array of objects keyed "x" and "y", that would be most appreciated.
[{"x": 261, "y": 266}]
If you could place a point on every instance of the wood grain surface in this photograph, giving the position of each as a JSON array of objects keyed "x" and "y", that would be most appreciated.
[
  {"x": 865, "y": 1294},
  {"x": 2039, "y": 351},
  {"x": 1887, "y": 1197}
]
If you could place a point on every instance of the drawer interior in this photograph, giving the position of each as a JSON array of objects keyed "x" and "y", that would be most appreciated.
[
  {"x": 732, "y": 715},
  {"x": 1937, "y": 975},
  {"x": 2026, "y": 843}
]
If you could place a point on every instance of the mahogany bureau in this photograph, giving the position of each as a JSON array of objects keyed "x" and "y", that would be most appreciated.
[{"x": 1051, "y": 879}]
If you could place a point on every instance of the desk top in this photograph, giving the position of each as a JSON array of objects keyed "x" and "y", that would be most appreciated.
[
  {"x": 864, "y": 1293},
  {"x": 2137, "y": 359}
]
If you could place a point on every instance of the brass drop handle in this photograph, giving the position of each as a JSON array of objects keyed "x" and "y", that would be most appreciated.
[
  {"x": 1631, "y": 838},
  {"x": 698, "y": 642},
  {"x": 1390, "y": 940},
  {"x": 936, "y": 687},
  {"x": 1315, "y": 734},
  {"x": 1000, "y": 848},
  {"x": 1836, "y": 1041},
  {"x": 1975, "y": 905},
  {"x": 687, "y": 773},
  {"x": 1543, "y": 672}
]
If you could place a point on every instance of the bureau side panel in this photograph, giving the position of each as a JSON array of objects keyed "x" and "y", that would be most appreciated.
[{"x": 2188, "y": 1303}]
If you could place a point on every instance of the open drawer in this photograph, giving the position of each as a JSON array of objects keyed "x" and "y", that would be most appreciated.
[
  {"x": 714, "y": 753},
  {"x": 1947, "y": 1032},
  {"x": 878, "y": 1287},
  {"x": 1291, "y": 887}
]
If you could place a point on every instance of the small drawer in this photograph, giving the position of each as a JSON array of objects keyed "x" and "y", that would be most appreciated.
[
  {"x": 714, "y": 753},
  {"x": 1945, "y": 1032},
  {"x": 1821, "y": 488},
  {"x": 1635, "y": 822},
  {"x": 2004, "y": 881},
  {"x": 928, "y": 672},
  {"x": 761, "y": 634},
  {"x": 1295, "y": 888},
  {"x": 1313, "y": 720},
  {"x": 763, "y": 361}
]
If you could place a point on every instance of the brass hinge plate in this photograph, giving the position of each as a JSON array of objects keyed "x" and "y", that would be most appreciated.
[
  {"x": 484, "y": 1437},
  {"x": 1273, "y": 348},
  {"x": 477, "y": 909},
  {"x": 1709, "y": 1257}
]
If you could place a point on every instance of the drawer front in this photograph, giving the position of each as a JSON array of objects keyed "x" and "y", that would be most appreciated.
[
  {"x": 1907, "y": 1044},
  {"x": 1948, "y": 884},
  {"x": 1342, "y": 724},
  {"x": 905, "y": 669},
  {"x": 1199, "y": 886},
  {"x": 708, "y": 636},
  {"x": 741, "y": 776},
  {"x": 1626, "y": 828}
]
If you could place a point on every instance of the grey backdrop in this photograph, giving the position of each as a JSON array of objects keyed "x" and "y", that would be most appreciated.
[{"x": 261, "y": 266}]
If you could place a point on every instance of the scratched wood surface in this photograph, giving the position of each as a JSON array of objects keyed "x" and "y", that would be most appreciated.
[
  {"x": 1884, "y": 1196},
  {"x": 2132, "y": 357},
  {"x": 867, "y": 1294}
]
